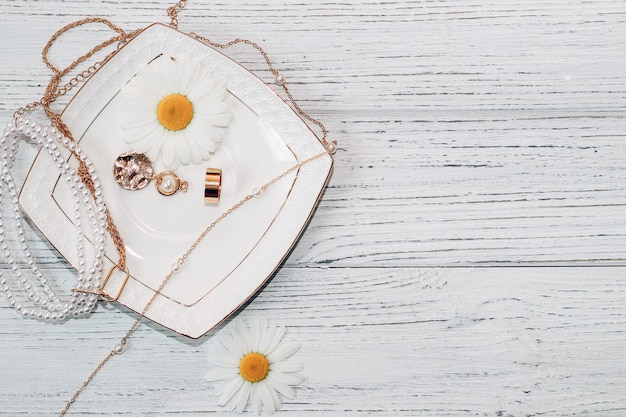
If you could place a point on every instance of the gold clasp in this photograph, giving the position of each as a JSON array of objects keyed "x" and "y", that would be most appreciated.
[
  {"x": 102, "y": 293},
  {"x": 106, "y": 296}
]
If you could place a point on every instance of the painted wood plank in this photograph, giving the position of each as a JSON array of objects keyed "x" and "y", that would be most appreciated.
[{"x": 375, "y": 341}]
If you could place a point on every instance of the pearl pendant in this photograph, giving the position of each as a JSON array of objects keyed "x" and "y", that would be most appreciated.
[
  {"x": 279, "y": 79},
  {"x": 176, "y": 267},
  {"x": 168, "y": 183},
  {"x": 119, "y": 349}
]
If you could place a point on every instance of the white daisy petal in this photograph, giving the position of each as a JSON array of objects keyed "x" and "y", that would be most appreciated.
[
  {"x": 219, "y": 119},
  {"x": 269, "y": 398},
  {"x": 287, "y": 366},
  {"x": 223, "y": 359},
  {"x": 230, "y": 346},
  {"x": 266, "y": 339},
  {"x": 218, "y": 348},
  {"x": 196, "y": 152},
  {"x": 259, "y": 325},
  {"x": 138, "y": 121},
  {"x": 214, "y": 134},
  {"x": 209, "y": 92},
  {"x": 169, "y": 154},
  {"x": 146, "y": 143},
  {"x": 211, "y": 137},
  {"x": 240, "y": 337},
  {"x": 202, "y": 145},
  {"x": 229, "y": 390},
  {"x": 275, "y": 340},
  {"x": 164, "y": 70},
  {"x": 216, "y": 90},
  {"x": 283, "y": 351},
  {"x": 183, "y": 150},
  {"x": 284, "y": 389},
  {"x": 140, "y": 94},
  {"x": 152, "y": 153},
  {"x": 241, "y": 399},
  {"x": 283, "y": 378},
  {"x": 219, "y": 374},
  {"x": 207, "y": 106},
  {"x": 190, "y": 74},
  {"x": 255, "y": 398}
]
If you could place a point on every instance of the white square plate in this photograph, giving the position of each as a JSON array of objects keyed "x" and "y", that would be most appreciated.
[{"x": 234, "y": 260}]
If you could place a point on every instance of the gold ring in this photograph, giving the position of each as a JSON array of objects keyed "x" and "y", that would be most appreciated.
[{"x": 212, "y": 185}]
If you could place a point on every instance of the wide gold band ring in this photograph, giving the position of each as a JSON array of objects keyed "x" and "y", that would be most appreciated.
[{"x": 212, "y": 185}]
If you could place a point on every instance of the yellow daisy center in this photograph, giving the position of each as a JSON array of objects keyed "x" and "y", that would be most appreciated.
[
  {"x": 254, "y": 367},
  {"x": 175, "y": 112}
]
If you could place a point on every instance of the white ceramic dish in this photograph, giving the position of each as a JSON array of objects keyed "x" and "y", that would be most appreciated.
[{"x": 241, "y": 253}]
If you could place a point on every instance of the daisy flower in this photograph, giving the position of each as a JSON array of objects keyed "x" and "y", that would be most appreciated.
[
  {"x": 176, "y": 110},
  {"x": 254, "y": 367}
]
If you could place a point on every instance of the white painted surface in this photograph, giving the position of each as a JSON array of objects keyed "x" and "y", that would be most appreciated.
[{"x": 468, "y": 257}]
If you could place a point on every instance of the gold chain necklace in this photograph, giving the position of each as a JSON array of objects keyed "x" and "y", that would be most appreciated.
[{"x": 55, "y": 90}]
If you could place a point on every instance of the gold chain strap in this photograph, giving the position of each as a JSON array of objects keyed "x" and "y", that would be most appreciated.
[
  {"x": 54, "y": 91},
  {"x": 172, "y": 12},
  {"x": 278, "y": 78}
]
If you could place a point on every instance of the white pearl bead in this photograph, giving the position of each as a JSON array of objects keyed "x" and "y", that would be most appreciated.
[
  {"x": 257, "y": 192},
  {"x": 279, "y": 79},
  {"x": 168, "y": 184},
  {"x": 119, "y": 348}
]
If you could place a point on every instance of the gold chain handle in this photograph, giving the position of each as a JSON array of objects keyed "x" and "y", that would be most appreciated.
[
  {"x": 54, "y": 91},
  {"x": 172, "y": 12}
]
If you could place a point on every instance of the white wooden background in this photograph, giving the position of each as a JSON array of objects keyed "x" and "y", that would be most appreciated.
[{"x": 469, "y": 255}]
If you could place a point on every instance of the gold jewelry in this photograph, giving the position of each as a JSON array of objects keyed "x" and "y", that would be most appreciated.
[
  {"x": 134, "y": 171},
  {"x": 212, "y": 185},
  {"x": 168, "y": 183}
]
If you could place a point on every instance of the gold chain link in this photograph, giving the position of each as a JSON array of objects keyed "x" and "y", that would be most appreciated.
[
  {"x": 53, "y": 92},
  {"x": 172, "y": 12}
]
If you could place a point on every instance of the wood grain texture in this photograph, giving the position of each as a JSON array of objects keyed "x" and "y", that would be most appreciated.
[{"x": 469, "y": 254}]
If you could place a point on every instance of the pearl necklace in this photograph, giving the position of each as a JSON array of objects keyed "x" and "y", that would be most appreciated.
[{"x": 37, "y": 298}]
